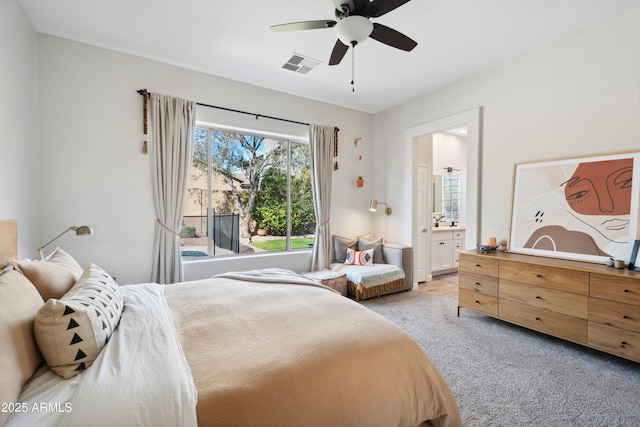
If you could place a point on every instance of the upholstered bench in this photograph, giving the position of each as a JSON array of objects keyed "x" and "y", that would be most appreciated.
[{"x": 390, "y": 269}]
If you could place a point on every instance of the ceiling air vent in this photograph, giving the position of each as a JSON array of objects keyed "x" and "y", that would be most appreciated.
[{"x": 300, "y": 64}]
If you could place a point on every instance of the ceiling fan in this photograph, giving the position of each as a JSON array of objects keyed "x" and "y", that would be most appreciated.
[{"x": 353, "y": 26}]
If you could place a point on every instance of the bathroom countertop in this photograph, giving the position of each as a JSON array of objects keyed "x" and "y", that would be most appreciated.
[{"x": 447, "y": 228}]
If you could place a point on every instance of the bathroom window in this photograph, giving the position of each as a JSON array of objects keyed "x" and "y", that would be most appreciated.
[{"x": 451, "y": 198}]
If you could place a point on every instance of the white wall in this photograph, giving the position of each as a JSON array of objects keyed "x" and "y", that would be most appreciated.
[
  {"x": 449, "y": 150},
  {"x": 19, "y": 172},
  {"x": 571, "y": 99},
  {"x": 93, "y": 171}
]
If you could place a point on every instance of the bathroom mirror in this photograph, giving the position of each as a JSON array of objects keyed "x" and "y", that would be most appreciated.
[{"x": 446, "y": 197}]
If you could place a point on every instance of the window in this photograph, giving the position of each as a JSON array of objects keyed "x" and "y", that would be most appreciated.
[
  {"x": 247, "y": 194},
  {"x": 451, "y": 197}
]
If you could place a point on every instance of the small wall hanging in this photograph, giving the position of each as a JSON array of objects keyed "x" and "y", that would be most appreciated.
[
  {"x": 335, "y": 147},
  {"x": 145, "y": 101}
]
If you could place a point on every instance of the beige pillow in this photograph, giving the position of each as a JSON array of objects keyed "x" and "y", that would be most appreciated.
[
  {"x": 19, "y": 354},
  {"x": 71, "y": 331},
  {"x": 52, "y": 277}
]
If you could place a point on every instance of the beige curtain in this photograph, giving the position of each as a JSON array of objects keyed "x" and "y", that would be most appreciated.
[
  {"x": 321, "y": 141},
  {"x": 172, "y": 127}
]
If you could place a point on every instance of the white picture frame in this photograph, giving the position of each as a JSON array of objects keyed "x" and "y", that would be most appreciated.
[{"x": 580, "y": 208}]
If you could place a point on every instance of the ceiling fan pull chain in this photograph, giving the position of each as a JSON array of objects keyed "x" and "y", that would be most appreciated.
[{"x": 353, "y": 66}]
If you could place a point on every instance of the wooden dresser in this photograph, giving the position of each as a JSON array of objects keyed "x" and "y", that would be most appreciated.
[{"x": 589, "y": 304}]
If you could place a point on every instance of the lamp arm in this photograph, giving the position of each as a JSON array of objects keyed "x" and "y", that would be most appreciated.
[
  {"x": 387, "y": 210},
  {"x": 41, "y": 248}
]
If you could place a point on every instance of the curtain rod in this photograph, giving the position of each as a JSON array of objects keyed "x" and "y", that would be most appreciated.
[{"x": 257, "y": 116}]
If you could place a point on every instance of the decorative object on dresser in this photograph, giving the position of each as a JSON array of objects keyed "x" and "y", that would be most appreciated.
[
  {"x": 586, "y": 303},
  {"x": 583, "y": 208},
  {"x": 633, "y": 260}
]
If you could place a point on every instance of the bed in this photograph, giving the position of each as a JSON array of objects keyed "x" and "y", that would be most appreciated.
[{"x": 267, "y": 347}]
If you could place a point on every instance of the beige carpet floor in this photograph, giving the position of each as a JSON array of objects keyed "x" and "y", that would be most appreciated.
[{"x": 504, "y": 375}]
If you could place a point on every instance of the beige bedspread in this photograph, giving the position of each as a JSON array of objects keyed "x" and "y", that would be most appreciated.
[{"x": 274, "y": 354}]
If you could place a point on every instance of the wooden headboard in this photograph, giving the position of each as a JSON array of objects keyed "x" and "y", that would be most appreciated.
[{"x": 8, "y": 241}]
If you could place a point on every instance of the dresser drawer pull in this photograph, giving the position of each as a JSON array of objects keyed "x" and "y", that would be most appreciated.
[
  {"x": 627, "y": 290},
  {"x": 537, "y": 318},
  {"x": 538, "y": 297},
  {"x": 478, "y": 265},
  {"x": 623, "y": 343},
  {"x": 625, "y": 317},
  {"x": 477, "y": 302},
  {"x": 539, "y": 276}
]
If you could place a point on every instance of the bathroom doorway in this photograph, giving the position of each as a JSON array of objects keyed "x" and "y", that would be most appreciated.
[{"x": 420, "y": 148}]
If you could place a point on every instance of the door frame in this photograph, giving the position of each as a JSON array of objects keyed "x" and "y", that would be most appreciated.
[{"x": 472, "y": 119}]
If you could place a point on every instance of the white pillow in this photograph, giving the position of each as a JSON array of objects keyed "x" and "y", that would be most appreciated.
[
  {"x": 359, "y": 257},
  {"x": 71, "y": 331}
]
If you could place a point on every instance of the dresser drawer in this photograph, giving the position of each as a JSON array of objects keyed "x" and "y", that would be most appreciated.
[
  {"x": 616, "y": 314},
  {"x": 615, "y": 341},
  {"x": 560, "y": 325},
  {"x": 479, "y": 264},
  {"x": 548, "y": 299},
  {"x": 479, "y": 302},
  {"x": 546, "y": 276},
  {"x": 615, "y": 288},
  {"x": 478, "y": 283}
]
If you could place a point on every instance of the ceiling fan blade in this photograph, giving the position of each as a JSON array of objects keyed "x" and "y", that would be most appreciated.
[
  {"x": 391, "y": 37},
  {"x": 378, "y": 8},
  {"x": 304, "y": 25},
  {"x": 339, "y": 50}
]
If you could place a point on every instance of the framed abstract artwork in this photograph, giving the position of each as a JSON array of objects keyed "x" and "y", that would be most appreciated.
[{"x": 584, "y": 208}]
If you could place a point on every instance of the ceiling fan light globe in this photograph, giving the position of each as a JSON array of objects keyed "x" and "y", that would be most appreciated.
[{"x": 353, "y": 30}]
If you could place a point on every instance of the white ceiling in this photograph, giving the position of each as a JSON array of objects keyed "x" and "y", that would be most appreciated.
[{"x": 232, "y": 39}]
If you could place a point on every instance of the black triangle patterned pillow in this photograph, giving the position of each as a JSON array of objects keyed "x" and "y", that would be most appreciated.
[{"x": 71, "y": 331}]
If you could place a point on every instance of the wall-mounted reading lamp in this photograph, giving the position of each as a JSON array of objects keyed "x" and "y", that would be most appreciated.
[
  {"x": 374, "y": 206},
  {"x": 83, "y": 230}
]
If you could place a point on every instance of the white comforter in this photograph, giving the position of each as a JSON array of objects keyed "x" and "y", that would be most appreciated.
[{"x": 130, "y": 369}]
